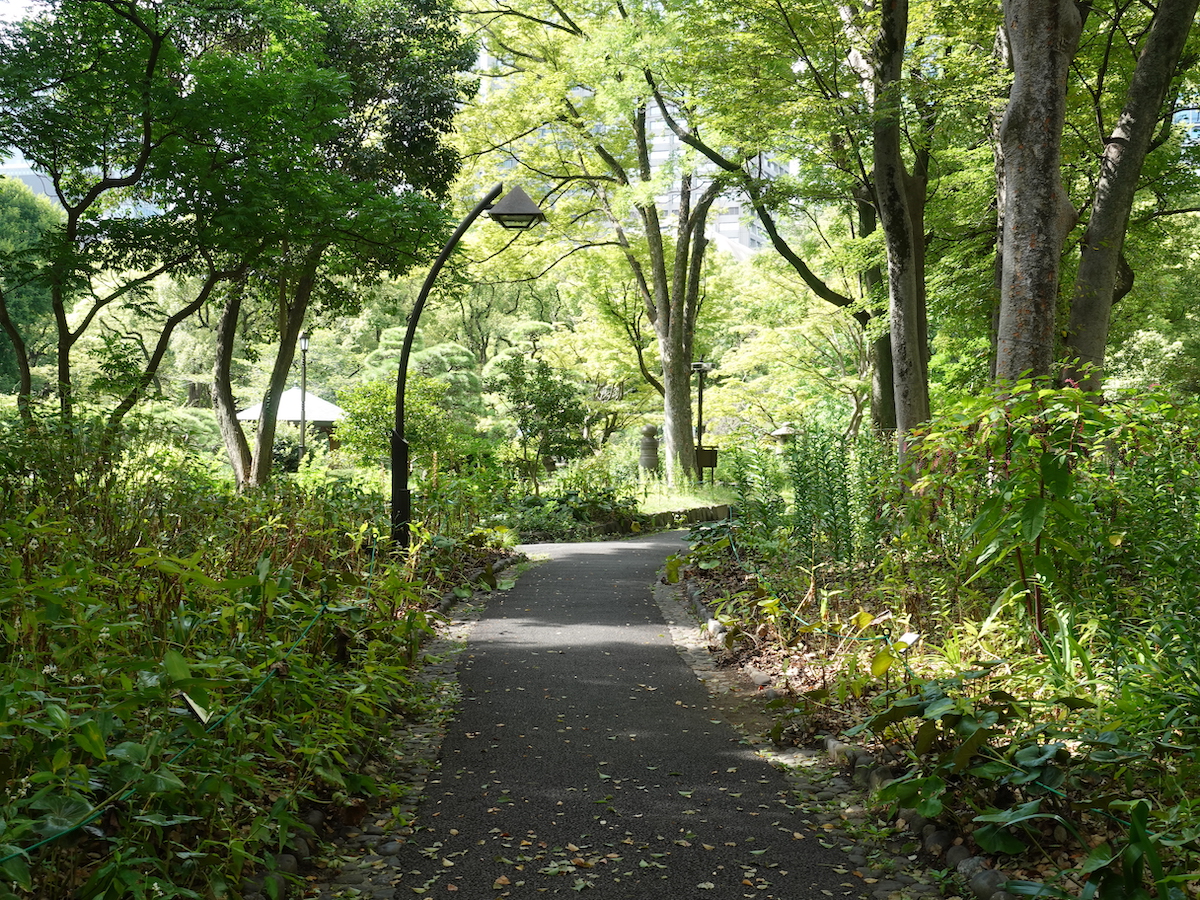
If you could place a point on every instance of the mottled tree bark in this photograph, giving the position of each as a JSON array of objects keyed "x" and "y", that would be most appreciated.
[
  {"x": 900, "y": 221},
  {"x": 883, "y": 391},
  {"x": 1125, "y": 152},
  {"x": 1042, "y": 38}
]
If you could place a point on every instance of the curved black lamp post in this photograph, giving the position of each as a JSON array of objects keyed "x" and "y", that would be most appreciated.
[{"x": 517, "y": 211}]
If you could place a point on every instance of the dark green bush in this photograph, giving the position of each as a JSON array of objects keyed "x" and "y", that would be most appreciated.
[{"x": 186, "y": 667}]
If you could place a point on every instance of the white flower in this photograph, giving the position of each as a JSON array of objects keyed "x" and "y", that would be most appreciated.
[{"x": 50, "y": 669}]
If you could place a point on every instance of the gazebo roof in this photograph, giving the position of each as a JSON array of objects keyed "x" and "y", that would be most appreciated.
[{"x": 316, "y": 410}]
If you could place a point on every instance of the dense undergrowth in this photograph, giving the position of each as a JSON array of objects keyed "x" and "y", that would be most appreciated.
[
  {"x": 187, "y": 668},
  {"x": 1013, "y": 616}
]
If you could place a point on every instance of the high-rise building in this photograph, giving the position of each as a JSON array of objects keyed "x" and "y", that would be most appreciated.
[{"x": 16, "y": 167}]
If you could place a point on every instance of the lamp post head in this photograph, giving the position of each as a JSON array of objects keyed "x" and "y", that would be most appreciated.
[
  {"x": 304, "y": 341},
  {"x": 702, "y": 367},
  {"x": 517, "y": 211}
]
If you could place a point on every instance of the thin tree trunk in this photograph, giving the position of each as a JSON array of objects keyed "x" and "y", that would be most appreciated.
[
  {"x": 222, "y": 388},
  {"x": 24, "y": 371},
  {"x": 290, "y": 325},
  {"x": 150, "y": 371},
  {"x": 893, "y": 191},
  {"x": 1120, "y": 168},
  {"x": 883, "y": 391}
]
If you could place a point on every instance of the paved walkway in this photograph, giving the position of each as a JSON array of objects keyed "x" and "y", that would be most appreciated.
[{"x": 586, "y": 757}]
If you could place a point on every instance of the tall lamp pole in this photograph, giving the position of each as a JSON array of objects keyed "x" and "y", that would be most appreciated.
[
  {"x": 303, "y": 387},
  {"x": 701, "y": 368},
  {"x": 516, "y": 211}
]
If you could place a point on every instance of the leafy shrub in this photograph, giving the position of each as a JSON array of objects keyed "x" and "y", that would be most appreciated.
[
  {"x": 548, "y": 415},
  {"x": 186, "y": 667},
  {"x": 1044, "y": 543},
  {"x": 571, "y": 516}
]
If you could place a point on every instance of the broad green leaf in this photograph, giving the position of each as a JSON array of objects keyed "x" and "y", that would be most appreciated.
[
  {"x": 90, "y": 740},
  {"x": 882, "y": 661},
  {"x": 997, "y": 839},
  {"x": 129, "y": 752},
  {"x": 58, "y": 716},
  {"x": 62, "y": 814},
  {"x": 176, "y": 665},
  {"x": 161, "y": 782},
  {"x": 1036, "y": 754},
  {"x": 1056, "y": 474},
  {"x": 939, "y": 708},
  {"x": 16, "y": 869},
  {"x": 926, "y": 735},
  {"x": 1022, "y": 813},
  {"x": 992, "y": 770},
  {"x": 1033, "y": 518},
  {"x": 966, "y": 751}
]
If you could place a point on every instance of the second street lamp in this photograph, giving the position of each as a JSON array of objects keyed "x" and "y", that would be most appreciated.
[
  {"x": 303, "y": 387},
  {"x": 516, "y": 211}
]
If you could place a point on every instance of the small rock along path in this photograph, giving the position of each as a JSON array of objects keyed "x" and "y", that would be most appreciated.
[{"x": 587, "y": 758}]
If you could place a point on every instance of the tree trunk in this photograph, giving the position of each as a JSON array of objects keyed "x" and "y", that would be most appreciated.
[
  {"x": 222, "y": 389},
  {"x": 1042, "y": 37},
  {"x": 291, "y": 323},
  {"x": 1120, "y": 168},
  {"x": 24, "y": 371},
  {"x": 904, "y": 245},
  {"x": 678, "y": 441},
  {"x": 883, "y": 390},
  {"x": 676, "y": 302}
]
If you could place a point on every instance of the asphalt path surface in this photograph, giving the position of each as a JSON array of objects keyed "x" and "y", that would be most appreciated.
[{"x": 585, "y": 758}]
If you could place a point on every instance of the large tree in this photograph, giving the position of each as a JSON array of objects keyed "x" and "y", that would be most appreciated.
[
  {"x": 1142, "y": 124},
  {"x": 569, "y": 102},
  {"x": 1042, "y": 37},
  {"x": 350, "y": 196},
  {"x": 271, "y": 149},
  {"x": 870, "y": 101},
  {"x": 89, "y": 91}
]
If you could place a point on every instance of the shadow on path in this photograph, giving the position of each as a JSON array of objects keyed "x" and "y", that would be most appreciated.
[{"x": 586, "y": 757}]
